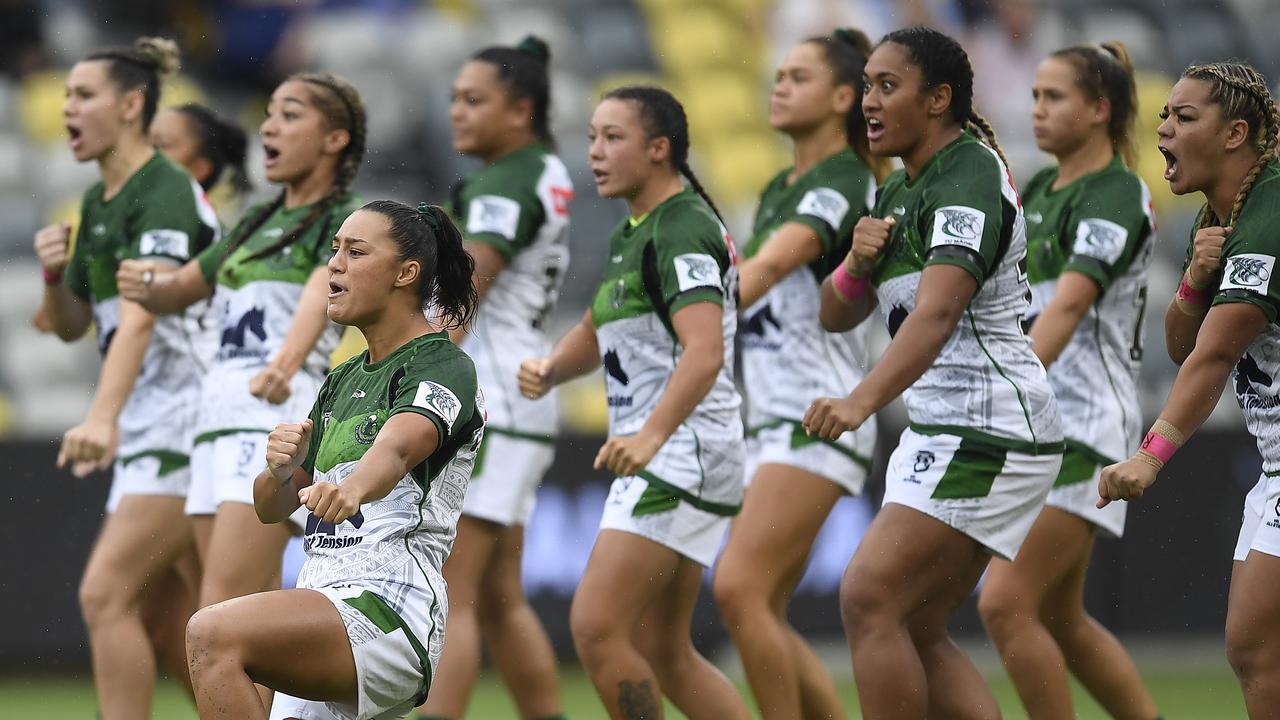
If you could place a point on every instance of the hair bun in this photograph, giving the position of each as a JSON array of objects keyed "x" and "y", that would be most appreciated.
[
  {"x": 161, "y": 52},
  {"x": 856, "y": 39},
  {"x": 534, "y": 47}
]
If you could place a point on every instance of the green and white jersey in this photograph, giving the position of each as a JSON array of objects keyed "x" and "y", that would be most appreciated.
[
  {"x": 676, "y": 255},
  {"x": 255, "y": 300},
  {"x": 159, "y": 214},
  {"x": 787, "y": 358},
  {"x": 1249, "y": 275},
  {"x": 520, "y": 206},
  {"x": 1102, "y": 226},
  {"x": 397, "y": 543},
  {"x": 986, "y": 384}
]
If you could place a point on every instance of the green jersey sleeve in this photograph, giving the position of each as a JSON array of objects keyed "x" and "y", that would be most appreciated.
[
  {"x": 691, "y": 258},
  {"x": 833, "y": 203},
  {"x": 317, "y": 417},
  {"x": 1249, "y": 258},
  {"x": 443, "y": 392},
  {"x": 1110, "y": 226},
  {"x": 963, "y": 216},
  {"x": 166, "y": 228},
  {"x": 76, "y": 276},
  {"x": 500, "y": 211}
]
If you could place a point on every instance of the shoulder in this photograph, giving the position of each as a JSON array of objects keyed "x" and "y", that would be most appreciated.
[
  {"x": 1120, "y": 184},
  {"x": 1040, "y": 181},
  {"x": 1262, "y": 207},
  {"x": 439, "y": 360},
  {"x": 969, "y": 161}
]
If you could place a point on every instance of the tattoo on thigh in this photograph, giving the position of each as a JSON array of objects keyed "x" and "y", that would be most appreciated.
[{"x": 637, "y": 700}]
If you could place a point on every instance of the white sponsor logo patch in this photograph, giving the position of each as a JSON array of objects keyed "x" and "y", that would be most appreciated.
[
  {"x": 1248, "y": 271},
  {"x": 697, "y": 270},
  {"x": 958, "y": 225},
  {"x": 173, "y": 243},
  {"x": 439, "y": 400},
  {"x": 493, "y": 214},
  {"x": 824, "y": 203},
  {"x": 1100, "y": 239}
]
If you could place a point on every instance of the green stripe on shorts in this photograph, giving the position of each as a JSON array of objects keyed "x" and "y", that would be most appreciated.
[
  {"x": 668, "y": 489},
  {"x": 387, "y": 620},
  {"x": 1077, "y": 467},
  {"x": 212, "y": 435},
  {"x": 169, "y": 460},
  {"x": 971, "y": 472}
]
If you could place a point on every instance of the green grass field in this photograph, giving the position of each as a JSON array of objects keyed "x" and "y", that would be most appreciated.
[{"x": 1191, "y": 694}]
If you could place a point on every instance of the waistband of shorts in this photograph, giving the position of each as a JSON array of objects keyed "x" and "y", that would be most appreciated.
[
  {"x": 715, "y": 508},
  {"x": 799, "y": 439},
  {"x": 169, "y": 460},
  {"x": 977, "y": 436}
]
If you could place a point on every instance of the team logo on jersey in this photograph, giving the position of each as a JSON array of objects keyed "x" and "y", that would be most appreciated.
[
  {"x": 1250, "y": 271},
  {"x": 253, "y": 321},
  {"x": 357, "y": 394},
  {"x": 896, "y": 316},
  {"x": 924, "y": 460},
  {"x": 325, "y": 419},
  {"x": 1100, "y": 239},
  {"x": 169, "y": 243},
  {"x": 958, "y": 225},
  {"x": 367, "y": 430},
  {"x": 439, "y": 400},
  {"x": 1249, "y": 378},
  {"x": 493, "y": 214},
  {"x": 826, "y": 204},
  {"x": 321, "y": 535},
  {"x": 900, "y": 211},
  {"x": 755, "y": 324},
  {"x": 613, "y": 366},
  {"x": 697, "y": 270}
]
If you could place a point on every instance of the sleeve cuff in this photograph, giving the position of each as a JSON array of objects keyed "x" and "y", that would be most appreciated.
[
  {"x": 826, "y": 234},
  {"x": 1092, "y": 268},
  {"x": 495, "y": 241},
  {"x": 1235, "y": 295},
  {"x": 961, "y": 257},
  {"x": 441, "y": 430},
  {"x": 694, "y": 295}
]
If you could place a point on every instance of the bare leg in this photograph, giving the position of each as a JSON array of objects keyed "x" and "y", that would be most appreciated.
[
  {"x": 141, "y": 539},
  {"x": 167, "y": 606},
  {"x": 769, "y": 543},
  {"x": 1253, "y": 631},
  {"x": 293, "y": 640},
  {"x": 956, "y": 688},
  {"x": 513, "y": 634},
  {"x": 460, "y": 664}
]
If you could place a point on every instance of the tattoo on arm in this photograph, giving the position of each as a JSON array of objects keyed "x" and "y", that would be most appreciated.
[{"x": 637, "y": 700}]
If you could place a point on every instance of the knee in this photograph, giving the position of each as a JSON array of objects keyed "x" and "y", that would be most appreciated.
[
  {"x": 1002, "y": 609},
  {"x": 736, "y": 595},
  {"x": 1248, "y": 652},
  {"x": 209, "y": 638},
  {"x": 594, "y": 629},
  {"x": 866, "y": 603},
  {"x": 100, "y": 602}
]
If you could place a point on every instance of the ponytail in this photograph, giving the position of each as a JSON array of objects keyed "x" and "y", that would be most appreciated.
[
  {"x": 523, "y": 71},
  {"x": 142, "y": 67},
  {"x": 426, "y": 234},
  {"x": 846, "y": 51},
  {"x": 223, "y": 143}
]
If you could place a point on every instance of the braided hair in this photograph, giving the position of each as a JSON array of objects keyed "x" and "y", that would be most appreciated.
[
  {"x": 846, "y": 51},
  {"x": 340, "y": 104},
  {"x": 141, "y": 67},
  {"x": 1106, "y": 71},
  {"x": 663, "y": 116},
  {"x": 522, "y": 70},
  {"x": 222, "y": 143},
  {"x": 943, "y": 62},
  {"x": 1243, "y": 94}
]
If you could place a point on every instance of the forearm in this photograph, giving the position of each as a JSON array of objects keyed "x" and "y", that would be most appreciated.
[
  {"x": 694, "y": 375},
  {"x": 911, "y": 352},
  {"x": 839, "y": 314},
  {"x": 755, "y": 277},
  {"x": 67, "y": 315},
  {"x": 122, "y": 364},
  {"x": 576, "y": 354},
  {"x": 273, "y": 500},
  {"x": 1180, "y": 330},
  {"x": 1197, "y": 389},
  {"x": 172, "y": 291},
  {"x": 380, "y": 468},
  {"x": 1052, "y": 331},
  {"x": 309, "y": 321}
]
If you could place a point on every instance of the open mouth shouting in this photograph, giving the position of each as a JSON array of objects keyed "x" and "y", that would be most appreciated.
[
  {"x": 272, "y": 154},
  {"x": 335, "y": 289},
  {"x": 1170, "y": 163},
  {"x": 875, "y": 129}
]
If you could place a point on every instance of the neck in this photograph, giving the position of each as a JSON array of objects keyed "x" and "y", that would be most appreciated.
[
  {"x": 653, "y": 194},
  {"x": 817, "y": 145},
  {"x": 122, "y": 161},
  {"x": 517, "y": 141},
  {"x": 1221, "y": 195},
  {"x": 309, "y": 189},
  {"x": 1090, "y": 157},
  {"x": 915, "y": 160},
  {"x": 392, "y": 329}
]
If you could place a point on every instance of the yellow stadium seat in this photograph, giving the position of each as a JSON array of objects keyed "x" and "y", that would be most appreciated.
[
  {"x": 738, "y": 166},
  {"x": 723, "y": 103},
  {"x": 40, "y": 107},
  {"x": 702, "y": 38}
]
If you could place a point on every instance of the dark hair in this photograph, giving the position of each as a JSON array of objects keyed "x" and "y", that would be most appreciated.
[
  {"x": 943, "y": 62},
  {"x": 340, "y": 104},
  {"x": 430, "y": 237},
  {"x": 224, "y": 144},
  {"x": 663, "y": 116},
  {"x": 1106, "y": 71},
  {"x": 523, "y": 72},
  {"x": 141, "y": 67},
  {"x": 1243, "y": 94},
  {"x": 846, "y": 51}
]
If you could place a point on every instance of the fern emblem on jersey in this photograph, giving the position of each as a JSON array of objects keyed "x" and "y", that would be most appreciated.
[
  {"x": 439, "y": 400},
  {"x": 697, "y": 270},
  {"x": 960, "y": 224},
  {"x": 1249, "y": 271}
]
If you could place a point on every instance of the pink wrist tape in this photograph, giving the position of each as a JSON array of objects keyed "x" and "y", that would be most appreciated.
[
  {"x": 1188, "y": 294},
  {"x": 1159, "y": 446},
  {"x": 850, "y": 287}
]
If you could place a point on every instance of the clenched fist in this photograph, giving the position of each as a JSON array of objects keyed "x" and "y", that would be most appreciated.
[
  {"x": 870, "y": 236},
  {"x": 52, "y": 247},
  {"x": 287, "y": 447},
  {"x": 536, "y": 377}
]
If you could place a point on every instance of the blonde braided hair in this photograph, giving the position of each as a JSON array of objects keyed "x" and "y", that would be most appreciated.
[{"x": 1243, "y": 94}]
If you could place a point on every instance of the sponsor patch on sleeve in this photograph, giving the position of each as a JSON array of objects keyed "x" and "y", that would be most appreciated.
[
  {"x": 958, "y": 225},
  {"x": 166, "y": 242},
  {"x": 695, "y": 270},
  {"x": 493, "y": 214},
  {"x": 1248, "y": 271},
  {"x": 439, "y": 400},
  {"x": 826, "y": 204},
  {"x": 1100, "y": 239}
]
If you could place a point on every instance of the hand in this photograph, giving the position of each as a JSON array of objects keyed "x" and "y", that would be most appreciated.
[
  {"x": 627, "y": 455},
  {"x": 287, "y": 447},
  {"x": 133, "y": 279},
  {"x": 870, "y": 236},
  {"x": 330, "y": 502},
  {"x": 52, "y": 247},
  {"x": 829, "y": 418},
  {"x": 89, "y": 446},
  {"x": 1206, "y": 256},
  {"x": 1125, "y": 481},
  {"x": 536, "y": 377},
  {"x": 272, "y": 385}
]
